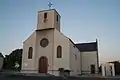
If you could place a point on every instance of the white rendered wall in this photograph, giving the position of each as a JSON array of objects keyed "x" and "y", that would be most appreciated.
[
  {"x": 28, "y": 65},
  {"x": 44, "y": 51},
  {"x": 89, "y": 58},
  {"x": 74, "y": 63},
  {"x": 51, "y": 21},
  {"x": 63, "y": 41}
]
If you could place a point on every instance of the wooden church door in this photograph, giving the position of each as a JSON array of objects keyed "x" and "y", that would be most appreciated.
[{"x": 43, "y": 65}]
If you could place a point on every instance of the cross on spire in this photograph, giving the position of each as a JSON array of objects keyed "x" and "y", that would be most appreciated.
[{"x": 50, "y": 5}]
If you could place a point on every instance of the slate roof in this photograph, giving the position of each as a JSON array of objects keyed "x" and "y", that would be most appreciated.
[{"x": 83, "y": 47}]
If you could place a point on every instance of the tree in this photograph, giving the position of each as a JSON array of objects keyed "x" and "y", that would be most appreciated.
[
  {"x": 1, "y": 61},
  {"x": 13, "y": 58},
  {"x": 1, "y": 55}
]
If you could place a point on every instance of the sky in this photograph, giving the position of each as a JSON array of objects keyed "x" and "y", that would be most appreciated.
[{"x": 81, "y": 20}]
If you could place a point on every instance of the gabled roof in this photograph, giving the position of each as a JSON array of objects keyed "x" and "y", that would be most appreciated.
[
  {"x": 1, "y": 55},
  {"x": 83, "y": 47}
]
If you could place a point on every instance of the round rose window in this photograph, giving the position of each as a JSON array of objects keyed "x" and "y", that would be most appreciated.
[{"x": 44, "y": 42}]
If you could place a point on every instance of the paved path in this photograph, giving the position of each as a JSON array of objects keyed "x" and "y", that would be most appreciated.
[{"x": 29, "y": 77}]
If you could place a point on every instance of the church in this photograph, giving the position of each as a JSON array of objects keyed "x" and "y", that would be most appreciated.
[{"x": 47, "y": 50}]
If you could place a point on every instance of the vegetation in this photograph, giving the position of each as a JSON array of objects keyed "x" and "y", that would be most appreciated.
[
  {"x": 1, "y": 55},
  {"x": 11, "y": 60}
]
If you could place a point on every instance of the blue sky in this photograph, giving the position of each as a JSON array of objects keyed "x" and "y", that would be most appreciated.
[{"x": 81, "y": 20}]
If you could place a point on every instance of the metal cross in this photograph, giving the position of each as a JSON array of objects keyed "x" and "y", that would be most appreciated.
[{"x": 49, "y": 5}]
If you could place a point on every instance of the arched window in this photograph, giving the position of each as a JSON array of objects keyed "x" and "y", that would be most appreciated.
[
  {"x": 57, "y": 18},
  {"x": 59, "y": 52},
  {"x": 45, "y": 15},
  {"x": 30, "y": 52}
]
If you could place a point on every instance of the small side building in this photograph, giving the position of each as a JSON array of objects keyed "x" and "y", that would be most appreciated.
[
  {"x": 89, "y": 57},
  {"x": 108, "y": 69},
  {"x": 116, "y": 66},
  {"x": 1, "y": 61}
]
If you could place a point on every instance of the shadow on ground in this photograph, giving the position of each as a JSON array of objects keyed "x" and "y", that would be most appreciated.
[{"x": 48, "y": 77}]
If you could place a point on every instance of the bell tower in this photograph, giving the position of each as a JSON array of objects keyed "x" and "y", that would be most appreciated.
[{"x": 48, "y": 19}]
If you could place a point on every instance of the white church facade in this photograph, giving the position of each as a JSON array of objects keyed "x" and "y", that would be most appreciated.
[{"x": 48, "y": 50}]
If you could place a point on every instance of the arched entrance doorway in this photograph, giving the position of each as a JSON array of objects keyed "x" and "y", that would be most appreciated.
[{"x": 43, "y": 64}]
